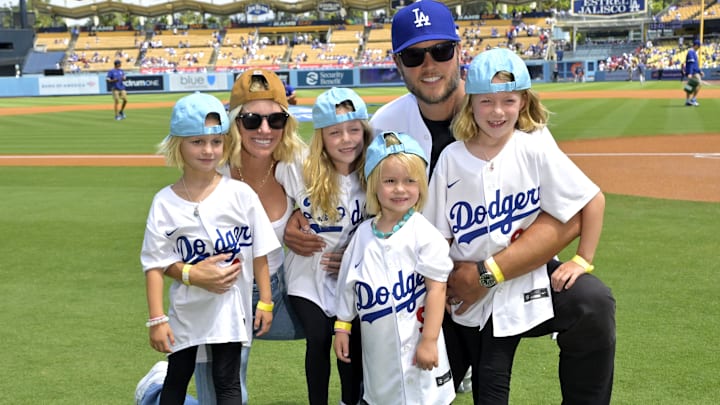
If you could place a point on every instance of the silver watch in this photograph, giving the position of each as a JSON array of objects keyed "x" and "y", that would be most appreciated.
[{"x": 487, "y": 279}]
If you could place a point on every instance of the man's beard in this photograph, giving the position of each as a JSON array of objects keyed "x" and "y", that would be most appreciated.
[{"x": 451, "y": 87}]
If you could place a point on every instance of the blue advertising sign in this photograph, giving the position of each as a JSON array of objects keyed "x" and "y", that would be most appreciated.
[
  {"x": 388, "y": 76},
  {"x": 325, "y": 78},
  {"x": 608, "y": 7}
]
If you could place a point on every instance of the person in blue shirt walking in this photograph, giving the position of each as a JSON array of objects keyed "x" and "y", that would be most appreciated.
[
  {"x": 694, "y": 75},
  {"x": 116, "y": 79}
]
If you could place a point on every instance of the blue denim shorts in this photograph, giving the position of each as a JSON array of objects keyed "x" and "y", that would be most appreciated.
[{"x": 285, "y": 324}]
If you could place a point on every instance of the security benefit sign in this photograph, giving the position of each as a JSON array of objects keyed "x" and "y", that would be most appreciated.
[
  {"x": 608, "y": 7},
  {"x": 325, "y": 78}
]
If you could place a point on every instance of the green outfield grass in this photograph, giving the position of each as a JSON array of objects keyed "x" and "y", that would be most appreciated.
[{"x": 73, "y": 296}]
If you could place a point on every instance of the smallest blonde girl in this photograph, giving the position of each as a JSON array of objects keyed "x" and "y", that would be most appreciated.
[
  {"x": 326, "y": 184},
  {"x": 393, "y": 277}
]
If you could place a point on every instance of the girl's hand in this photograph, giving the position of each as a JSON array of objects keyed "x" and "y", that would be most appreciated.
[
  {"x": 342, "y": 347},
  {"x": 161, "y": 337},
  {"x": 426, "y": 355},
  {"x": 263, "y": 321},
  {"x": 565, "y": 275}
]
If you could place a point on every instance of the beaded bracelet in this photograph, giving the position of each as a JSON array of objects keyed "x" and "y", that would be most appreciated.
[
  {"x": 156, "y": 321},
  {"x": 265, "y": 307}
]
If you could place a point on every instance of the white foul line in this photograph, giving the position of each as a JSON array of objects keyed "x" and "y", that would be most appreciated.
[{"x": 700, "y": 155}]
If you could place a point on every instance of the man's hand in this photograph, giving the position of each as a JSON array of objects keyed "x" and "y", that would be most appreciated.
[
  {"x": 209, "y": 275},
  {"x": 300, "y": 238},
  {"x": 463, "y": 286}
]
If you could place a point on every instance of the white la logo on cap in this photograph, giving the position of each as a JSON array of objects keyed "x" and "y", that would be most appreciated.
[{"x": 420, "y": 18}]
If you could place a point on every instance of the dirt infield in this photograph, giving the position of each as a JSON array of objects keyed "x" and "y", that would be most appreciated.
[{"x": 658, "y": 166}]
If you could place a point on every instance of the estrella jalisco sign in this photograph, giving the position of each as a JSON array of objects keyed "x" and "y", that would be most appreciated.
[{"x": 608, "y": 7}]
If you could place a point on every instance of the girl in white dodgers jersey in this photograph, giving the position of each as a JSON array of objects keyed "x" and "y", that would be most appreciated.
[
  {"x": 489, "y": 186},
  {"x": 201, "y": 215},
  {"x": 326, "y": 185},
  {"x": 393, "y": 277}
]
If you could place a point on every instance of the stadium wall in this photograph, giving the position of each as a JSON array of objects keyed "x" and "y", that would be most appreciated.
[{"x": 90, "y": 84}]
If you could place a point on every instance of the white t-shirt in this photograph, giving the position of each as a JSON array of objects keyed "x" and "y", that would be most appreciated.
[{"x": 231, "y": 220}]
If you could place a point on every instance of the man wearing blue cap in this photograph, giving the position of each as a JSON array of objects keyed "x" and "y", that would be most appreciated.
[
  {"x": 694, "y": 75},
  {"x": 436, "y": 93},
  {"x": 116, "y": 79}
]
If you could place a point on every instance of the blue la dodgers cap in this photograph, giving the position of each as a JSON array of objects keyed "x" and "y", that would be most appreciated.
[
  {"x": 189, "y": 113},
  {"x": 323, "y": 112},
  {"x": 426, "y": 20},
  {"x": 379, "y": 150},
  {"x": 487, "y": 64}
]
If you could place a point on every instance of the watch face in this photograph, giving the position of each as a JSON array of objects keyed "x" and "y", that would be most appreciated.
[{"x": 487, "y": 280}]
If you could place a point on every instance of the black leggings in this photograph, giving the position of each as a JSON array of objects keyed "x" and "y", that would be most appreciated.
[
  {"x": 585, "y": 322},
  {"x": 319, "y": 330},
  {"x": 225, "y": 370}
]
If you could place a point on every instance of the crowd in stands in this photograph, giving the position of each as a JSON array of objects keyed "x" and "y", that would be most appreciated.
[{"x": 199, "y": 50}]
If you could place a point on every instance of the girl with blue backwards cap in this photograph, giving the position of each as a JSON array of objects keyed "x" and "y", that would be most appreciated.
[
  {"x": 326, "y": 185},
  {"x": 489, "y": 186},
  {"x": 393, "y": 277},
  {"x": 204, "y": 214}
]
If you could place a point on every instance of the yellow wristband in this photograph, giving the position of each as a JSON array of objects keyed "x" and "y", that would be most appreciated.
[
  {"x": 186, "y": 274},
  {"x": 495, "y": 269},
  {"x": 265, "y": 307},
  {"x": 580, "y": 261},
  {"x": 346, "y": 326}
]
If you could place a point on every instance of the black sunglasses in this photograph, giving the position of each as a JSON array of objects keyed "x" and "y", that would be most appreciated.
[
  {"x": 442, "y": 52},
  {"x": 253, "y": 121}
]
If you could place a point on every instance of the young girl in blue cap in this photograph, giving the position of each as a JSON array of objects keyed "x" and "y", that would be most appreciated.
[
  {"x": 393, "y": 278},
  {"x": 204, "y": 214},
  {"x": 489, "y": 186},
  {"x": 326, "y": 185}
]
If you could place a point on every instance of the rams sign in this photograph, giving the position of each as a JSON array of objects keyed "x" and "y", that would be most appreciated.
[{"x": 608, "y": 7}]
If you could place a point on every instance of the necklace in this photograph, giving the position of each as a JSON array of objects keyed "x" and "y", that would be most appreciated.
[
  {"x": 264, "y": 179},
  {"x": 196, "y": 213},
  {"x": 395, "y": 228}
]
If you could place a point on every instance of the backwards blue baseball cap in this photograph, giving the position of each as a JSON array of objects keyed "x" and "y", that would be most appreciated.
[
  {"x": 696, "y": 42},
  {"x": 189, "y": 113},
  {"x": 425, "y": 20},
  {"x": 323, "y": 112},
  {"x": 379, "y": 150},
  {"x": 487, "y": 64}
]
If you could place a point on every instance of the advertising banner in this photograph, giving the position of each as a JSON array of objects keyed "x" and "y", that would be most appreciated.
[
  {"x": 198, "y": 82},
  {"x": 142, "y": 83},
  {"x": 388, "y": 76},
  {"x": 325, "y": 78},
  {"x": 68, "y": 85},
  {"x": 608, "y": 7}
]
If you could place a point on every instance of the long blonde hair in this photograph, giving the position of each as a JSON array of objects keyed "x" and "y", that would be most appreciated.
[
  {"x": 290, "y": 144},
  {"x": 533, "y": 115},
  {"x": 321, "y": 177}
]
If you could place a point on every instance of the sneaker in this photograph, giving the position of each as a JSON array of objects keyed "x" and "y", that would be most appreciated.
[
  {"x": 694, "y": 102},
  {"x": 689, "y": 103},
  {"x": 122, "y": 115},
  {"x": 118, "y": 118},
  {"x": 156, "y": 375},
  {"x": 466, "y": 384}
]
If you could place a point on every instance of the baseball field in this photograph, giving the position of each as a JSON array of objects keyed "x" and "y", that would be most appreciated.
[{"x": 76, "y": 186}]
